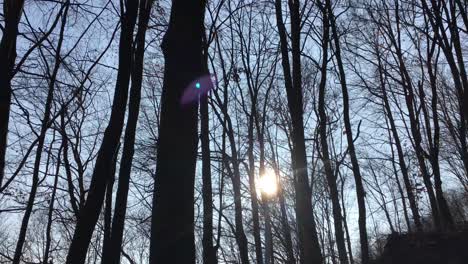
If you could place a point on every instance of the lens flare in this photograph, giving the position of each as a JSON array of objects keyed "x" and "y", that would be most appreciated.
[
  {"x": 197, "y": 88},
  {"x": 267, "y": 183}
]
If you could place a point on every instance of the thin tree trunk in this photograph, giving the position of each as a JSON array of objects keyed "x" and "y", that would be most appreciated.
[
  {"x": 457, "y": 68},
  {"x": 345, "y": 223},
  {"x": 414, "y": 119},
  {"x": 40, "y": 145},
  {"x": 253, "y": 190},
  {"x": 209, "y": 251},
  {"x": 265, "y": 199},
  {"x": 66, "y": 162},
  {"x": 310, "y": 248},
  {"x": 360, "y": 192},
  {"x": 434, "y": 139},
  {"x": 51, "y": 209},
  {"x": 382, "y": 199},
  {"x": 89, "y": 214},
  {"x": 172, "y": 224},
  {"x": 112, "y": 254},
  {"x": 397, "y": 179},
  {"x": 284, "y": 216},
  {"x": 236, "y": 182},
  {"x": 240, "y": 236},
  {"x": 401, "y": 156}
]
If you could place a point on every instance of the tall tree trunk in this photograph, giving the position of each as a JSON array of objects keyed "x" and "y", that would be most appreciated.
[
  {"x": 455, "y": 60},
  {"x": 396, "y": 137},
  {"x": 268, "y": 233},
  {"x": 397, "y": 180},
  {"x": 360, "y": 193},
  {"x": 228, "y": 131},
  {"x": 345, "y": 222},
  {"x": 310, "y": 248},
  {"x": 41, "y": 139},
  {"x": 269, "y": 250},
  {"x": 112, "y": 254},
  {"x": 434, "y": 17},
  {"x": 12, "y": 10},
  {"x": 241, "y": 238},
  {"x": 286, "y": 228},
  {"x": 66, "y": 163},
  {"x": 89, "y": 214},
  {"x": 253, "y": 190},
  {"x": 434, "y": 139},
  {"x": 107, "y": 239},
  {"x": 209, "y": 251},
  {"x": 325, "y": 155},
  {"x": 409, "y": 96},
  {"x": 172, "y": 224}
]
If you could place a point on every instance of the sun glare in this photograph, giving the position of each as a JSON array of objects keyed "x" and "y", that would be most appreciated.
[{"x": 267, "y": 183}]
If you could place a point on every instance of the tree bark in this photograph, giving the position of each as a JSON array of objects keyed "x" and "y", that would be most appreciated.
[
  {"x": 107, "y": 239},
  {"x": 172, "y": 224},
  {"x": 12, "y": 10}
]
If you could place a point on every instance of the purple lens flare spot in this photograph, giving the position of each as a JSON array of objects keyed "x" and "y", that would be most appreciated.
[{"x": 198, "y": 87}]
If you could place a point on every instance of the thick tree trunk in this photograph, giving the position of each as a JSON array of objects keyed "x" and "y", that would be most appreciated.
[
  {"x": 89, "y": 214},
  {"x": 107, "y": 240},
  {"x": 12, "y": 10},
  {"x": 172, "y": 224},
  {"x": 310, "y": 248},
  {"x": 360, "y": 193}
]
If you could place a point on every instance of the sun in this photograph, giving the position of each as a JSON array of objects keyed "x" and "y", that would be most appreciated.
[{"x": 267, "y": 183}]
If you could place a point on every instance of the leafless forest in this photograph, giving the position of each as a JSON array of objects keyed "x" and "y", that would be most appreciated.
[{"x": 230, "y": 131}]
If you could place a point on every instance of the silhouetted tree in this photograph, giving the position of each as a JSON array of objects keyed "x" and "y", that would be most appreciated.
[
  {"x": 90, "y": 211},
  {"x": 172, "y": 223}
]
